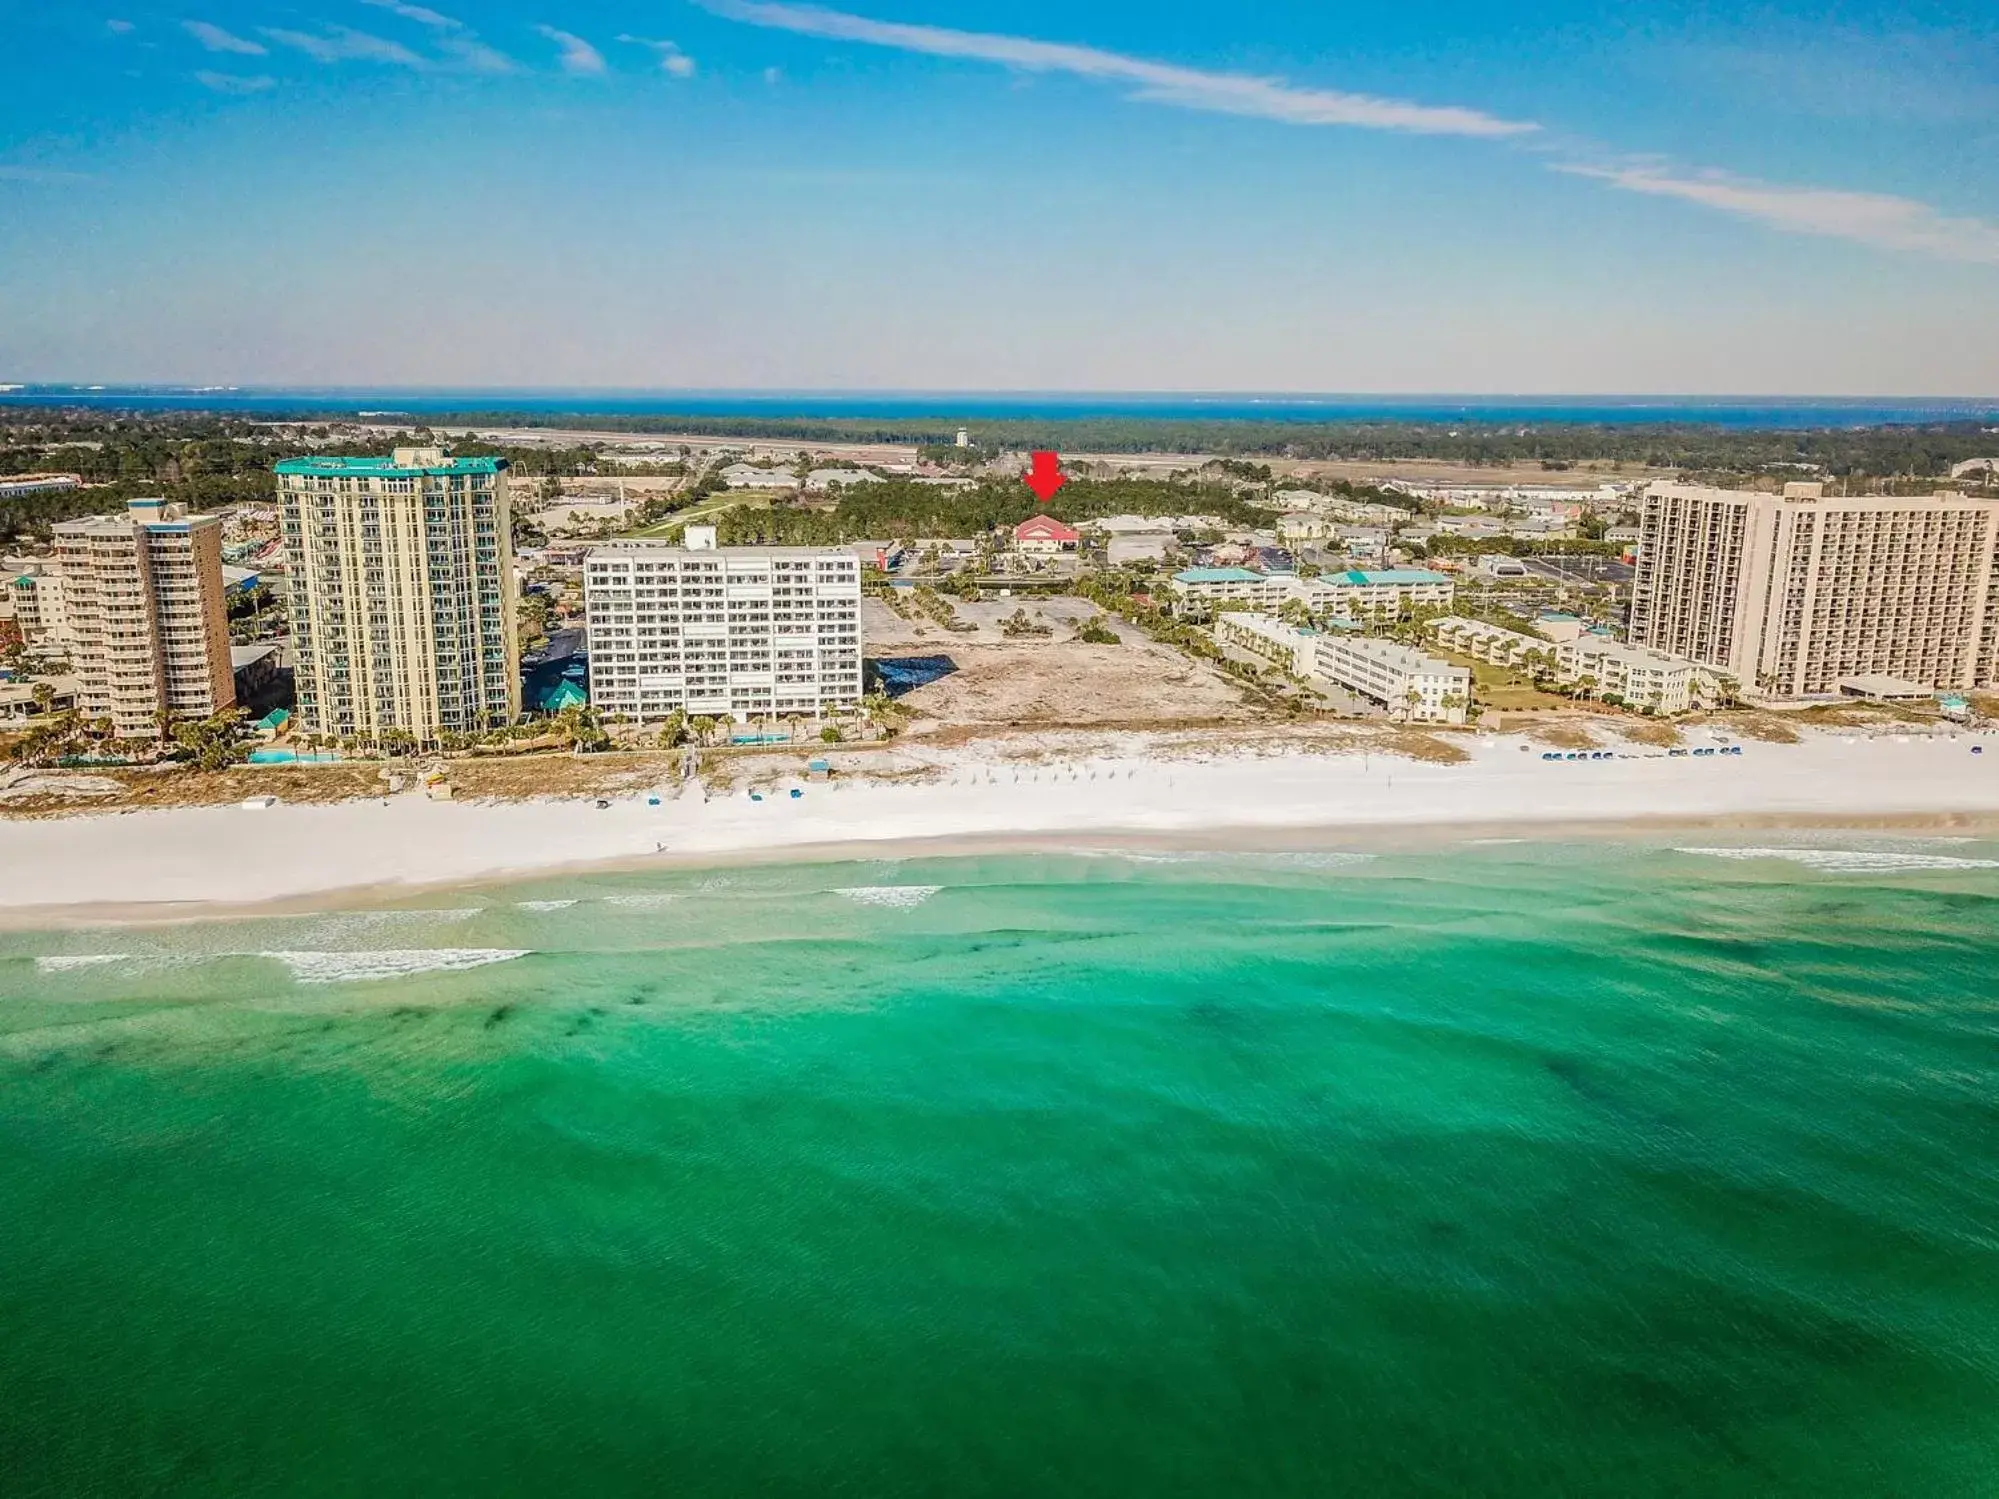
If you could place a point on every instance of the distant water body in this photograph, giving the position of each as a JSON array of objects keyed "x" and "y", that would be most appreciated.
[
  {"x": 1738, "y": 413},
  {"x": 1499, "y": 1170}
]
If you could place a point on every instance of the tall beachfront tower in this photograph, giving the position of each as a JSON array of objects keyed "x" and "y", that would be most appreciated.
[
  {"x": 402, "y": 594},
  {"x": 147, "y": 623},
  {"x": 1794, "y": 593},
  {"x": 742, "y": 631}
]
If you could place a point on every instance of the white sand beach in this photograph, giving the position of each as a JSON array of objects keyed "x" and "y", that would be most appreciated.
[{"x": 159, "y": 862}]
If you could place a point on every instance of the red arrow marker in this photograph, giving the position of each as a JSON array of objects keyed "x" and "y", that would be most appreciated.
[{"x": 1046, "y": 476}]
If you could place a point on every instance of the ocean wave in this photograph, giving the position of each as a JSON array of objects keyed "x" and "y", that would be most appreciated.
[
  {"x": 399, "y": 915},
  {"x": 368, "y": 967},
  {"x": 898, "y": 897},
  {"x": 650, "y": 901},
  {"x": 1848, "y": 860},
  {"x": 544, "y": 905},
  {"x": 65, "y": 962}
]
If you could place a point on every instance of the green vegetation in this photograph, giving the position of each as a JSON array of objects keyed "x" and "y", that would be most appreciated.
[
  {"x": 901, "y": 509},
  {"x": 203, "y": 460},
  {"x": 192, "y": 459},
  {"x": 1901, "y": 449}
]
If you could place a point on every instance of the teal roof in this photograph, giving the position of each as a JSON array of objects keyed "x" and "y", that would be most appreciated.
[
  {"x": 1393, "y": 575},
  {"x": 384, "y": 468},
  {"x": 276, "y": 719},
  {"x": 1218, "y": 575}
]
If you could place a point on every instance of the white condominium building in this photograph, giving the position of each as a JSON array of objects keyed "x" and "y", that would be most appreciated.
[
  {"x": 1793, "y": 593},
  {"x": 1204, "y": 588},
  {"x": 1410, "y": 682},
  {"x": 1637, "y": 675},
  {"x": 1382, "y": 594},
  {"x": 402, "y": 594},
  {"x": 710, "y": 630},
  {"x": 1264, "y": 635},
  {"x": 34, "y": 588},
  {"x": 1494, "y": 644},
  {"x": 1355, "y": 595},
  {"x": 148, "y": 628}
]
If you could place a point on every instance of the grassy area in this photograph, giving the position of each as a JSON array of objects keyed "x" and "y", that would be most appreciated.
[
  {"x": 701, "y": 513},
  {"x": 1497, "y": 687}
]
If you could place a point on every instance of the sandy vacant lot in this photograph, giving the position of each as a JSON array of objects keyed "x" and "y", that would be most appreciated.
[{"x": 1068, "y": 683}]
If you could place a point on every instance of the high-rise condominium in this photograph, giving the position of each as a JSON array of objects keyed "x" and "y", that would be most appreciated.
[
  {"x": 402, "y": 594},
  {"x": 739, "y": 630},
  {"x": 147, "y": 624},
  {"x": 1794, "y": 593}
]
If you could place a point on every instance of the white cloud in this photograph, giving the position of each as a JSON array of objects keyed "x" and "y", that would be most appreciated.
[
  {"x": 672, "y": 60},
  {"x": 342, "y": 44},
  {"x": 1158, "y": 83},
  {"x": 422, "y": 15},
  {"x": 231, "y": 83},
  {"x": 455, "y": 40},
  {"x": 1878, "y": 219},
  {"x": 477, "y": 56},
  {"x": 578, "y": 56},
  {"x": 773, "y": 75},
  {"x": 215, "y": 39},
  {"x": 119, "y": 28}
]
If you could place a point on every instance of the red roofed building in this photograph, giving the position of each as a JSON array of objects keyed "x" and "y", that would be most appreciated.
[{"x": 1045, "y": 535}]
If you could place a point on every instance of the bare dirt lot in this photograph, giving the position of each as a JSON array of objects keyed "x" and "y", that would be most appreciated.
[
  {"x": 1035, "y": 682},
  {"x": 1064, "y": 682}
]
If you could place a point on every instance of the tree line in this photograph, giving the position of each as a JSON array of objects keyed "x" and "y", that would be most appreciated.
[{"x": 901, "y": 509}]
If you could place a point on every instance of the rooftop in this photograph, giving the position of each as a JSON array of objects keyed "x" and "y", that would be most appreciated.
[
  {"x": 386, "y": 468},
  {"x": 1048, "y": 526},
  {"x": 1217, "y": 575},
  {"x": 1392, "y": 575}
]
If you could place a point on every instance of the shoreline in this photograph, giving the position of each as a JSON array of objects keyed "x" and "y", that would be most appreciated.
[{"x": 201, "y": 864}]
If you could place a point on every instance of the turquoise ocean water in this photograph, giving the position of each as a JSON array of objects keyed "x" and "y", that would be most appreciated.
[{"x": 1509, "y": 1169}]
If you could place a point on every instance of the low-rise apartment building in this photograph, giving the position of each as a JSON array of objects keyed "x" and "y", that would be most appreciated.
[
  {"x": 1386, "y": 594},
  {"x": 1636, "y": 675},
  {"x": 1287, "y": 646},
  {"x": 1357, "y": 595},
  {"x": 1603, "y": 668},
  {"x": 1409, "y": 682},
  {"x": 1203, "y": 589},
  {"x": 1494, "y": 644},
  {"x": 708, "y": 630},
  {"x": 148, "y": 628}
]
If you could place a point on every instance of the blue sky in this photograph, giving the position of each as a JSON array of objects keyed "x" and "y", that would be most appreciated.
[{"x": 1535, "y": 197}]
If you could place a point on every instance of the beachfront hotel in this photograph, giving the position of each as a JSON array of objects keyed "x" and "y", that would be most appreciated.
[
  {"x": 1794, "y": 594},
  {"x": 743, "y": 631},
  {"x": 145, "y": 622},
  {"x": 402, "y": 594}
]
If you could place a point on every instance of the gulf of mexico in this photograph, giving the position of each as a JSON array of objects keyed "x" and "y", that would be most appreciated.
[{"x": 1518, "y": 1169}]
